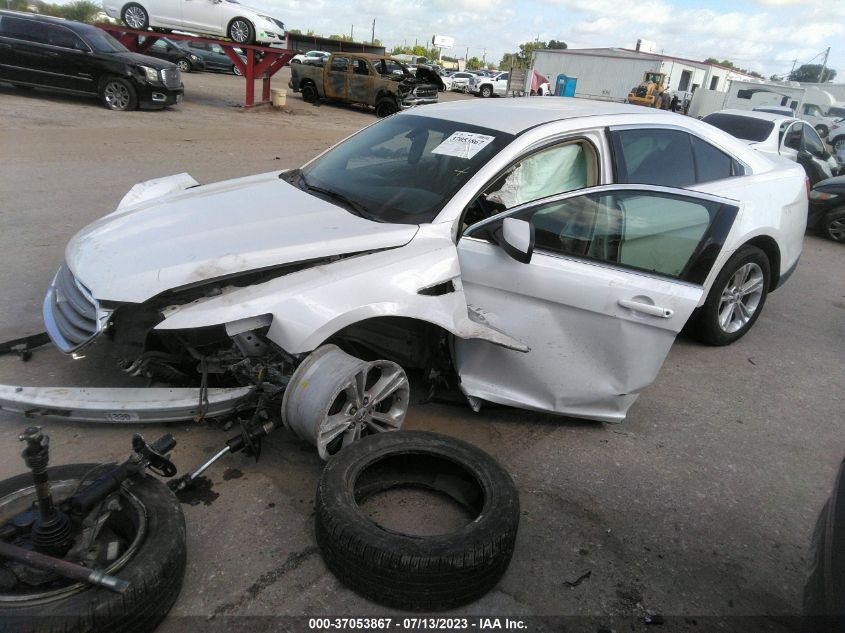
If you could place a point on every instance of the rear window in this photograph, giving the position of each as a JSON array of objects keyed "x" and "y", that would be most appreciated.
[
  {"x": 836, "y": 112},
  {"x": 744, "y": 127}
]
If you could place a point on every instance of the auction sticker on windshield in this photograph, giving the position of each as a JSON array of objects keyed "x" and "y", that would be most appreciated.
[{"x": 463, "y": 144}]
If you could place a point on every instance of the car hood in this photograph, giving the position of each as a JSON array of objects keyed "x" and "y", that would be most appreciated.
[
  {"x": 216, "y": 231},
  {"x": 146, "y": 60},
  {"x": 430, "y": 75}
]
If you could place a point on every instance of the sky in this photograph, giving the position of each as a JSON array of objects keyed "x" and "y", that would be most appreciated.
[{"x": 761, "y": 35}]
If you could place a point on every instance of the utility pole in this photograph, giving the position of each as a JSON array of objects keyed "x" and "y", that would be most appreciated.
[
  {"x": 352, "y": 34},
  {"x": 484, "y": 58},
  {"x": 824, "y": 63},
  {"x": 373, "y": 38}
]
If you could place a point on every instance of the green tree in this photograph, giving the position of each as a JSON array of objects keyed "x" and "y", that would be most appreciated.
[
  {"x": 79, "y": 11},
  {"x": 473, "y": 63},
  {"x": 810, "y": 72},
  {"x": 556, "y": 45},
  {"x": 419, "y": 50}
]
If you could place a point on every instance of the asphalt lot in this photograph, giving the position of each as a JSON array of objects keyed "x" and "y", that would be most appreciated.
[{"x": 701, "y": 504}]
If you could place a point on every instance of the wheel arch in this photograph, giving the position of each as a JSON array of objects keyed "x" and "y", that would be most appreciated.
[{"x": 769, "y": 246}]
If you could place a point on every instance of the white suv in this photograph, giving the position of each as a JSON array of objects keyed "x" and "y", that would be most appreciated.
[
  {"x": 226, "y": 18},
  {"x": 489, "y": 86}
]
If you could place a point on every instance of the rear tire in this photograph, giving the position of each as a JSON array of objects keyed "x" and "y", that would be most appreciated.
[
  {"x": 309, "y": 93},
  {"x": 155, "y": 571},
  {"x": 135, "y": 17},
  {"x": 732, "y": 307},
  {"x": 822, "y": 130}
]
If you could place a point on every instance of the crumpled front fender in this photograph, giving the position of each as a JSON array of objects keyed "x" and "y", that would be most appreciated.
[{"x": 311, "y": 305}]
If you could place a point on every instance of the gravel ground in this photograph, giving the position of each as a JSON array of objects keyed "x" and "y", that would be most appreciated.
[{"x": 699, "y": 506}]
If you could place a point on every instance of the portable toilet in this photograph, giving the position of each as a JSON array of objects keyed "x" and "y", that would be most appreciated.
[{"x": 565, "y": 86}]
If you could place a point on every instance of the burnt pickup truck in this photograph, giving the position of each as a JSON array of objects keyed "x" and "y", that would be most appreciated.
[{"x": 374, "y": 80}]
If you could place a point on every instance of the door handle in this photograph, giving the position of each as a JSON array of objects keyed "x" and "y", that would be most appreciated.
[{"x": 646, "y": 308}]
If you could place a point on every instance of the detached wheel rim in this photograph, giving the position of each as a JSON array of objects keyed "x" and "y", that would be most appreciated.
[
  {"x": 741, "y": 298},
  {"x": 135, "y": 17},
  {"x": 117, "y": 95},
  {"x": 239, "y": 31},
  {"x": 334, "y": 399},
  {"x": 836, "y": 229},
  {"x": 133, "y": 513}
]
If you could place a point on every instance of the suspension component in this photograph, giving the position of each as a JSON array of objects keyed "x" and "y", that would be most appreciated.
[{"x": 51, "y": 532}]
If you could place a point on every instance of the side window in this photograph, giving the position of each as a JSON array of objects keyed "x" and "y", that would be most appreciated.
[
  {"x": 653, "y": 157},
  {"x": 359, "y": 67},
  {"x": 792, "y": 140},
  {"x": 60, "y": 36},
  {"x": 711, "y": 163},
  {"x": 812, "y": 142},
  {"x": 340, "y": 64},
  {"x": 546, "y": 173},
  {"x": 503, "y": 77},
  {"x": 649, "y": 231},
  {"x": 27, "y": 30}
]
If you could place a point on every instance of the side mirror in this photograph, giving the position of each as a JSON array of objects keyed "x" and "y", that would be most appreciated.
[{"x": 518, "y": 239}]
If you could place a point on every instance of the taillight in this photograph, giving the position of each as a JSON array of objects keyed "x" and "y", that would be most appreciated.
[{"x": 807, "y": 182}]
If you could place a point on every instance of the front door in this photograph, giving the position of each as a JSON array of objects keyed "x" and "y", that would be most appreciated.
[
  {"x": 361, "y": 81},
  {"x": 616, "y": 272},
  {"x": 202, "y": 15}
]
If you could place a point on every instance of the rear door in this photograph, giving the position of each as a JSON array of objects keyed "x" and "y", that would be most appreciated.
[
  {"x": 336, "y": 83},
  {"x": 361, "y": 82},
  {"x": 23, "y": 52},
  {"x": 617, "y": 270}
]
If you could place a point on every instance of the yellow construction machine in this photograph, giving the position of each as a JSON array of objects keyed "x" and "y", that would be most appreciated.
[{"x": 647, "y": 92}]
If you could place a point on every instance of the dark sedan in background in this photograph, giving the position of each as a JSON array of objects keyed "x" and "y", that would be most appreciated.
[
  {"x": 827, "y": 208},
  {"x": 172, "y": 52},
  {"x": 61, "y": 55},
  {"x": 213, "y": 56}
]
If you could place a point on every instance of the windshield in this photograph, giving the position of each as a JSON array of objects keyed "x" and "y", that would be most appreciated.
[
  {"x": 405, "y": 168},
  {"x": 102, "y": 42},
  {"x": 744, "y": 127}
]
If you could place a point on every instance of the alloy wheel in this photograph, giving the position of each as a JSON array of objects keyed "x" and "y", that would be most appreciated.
[
  {"x": 117, "y": 95},
  {"x": 135, "y": 17},
  {"x": 836, "y": 229},
  {"x": 239, "y": 31},
  {"x": 741, "y": 297}
]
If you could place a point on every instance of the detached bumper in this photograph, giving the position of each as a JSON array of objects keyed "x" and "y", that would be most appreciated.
[{"x": 118, "y": 406}]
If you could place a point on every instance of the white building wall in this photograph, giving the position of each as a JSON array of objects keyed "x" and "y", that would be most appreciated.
[{"x": 599, "y": 77}]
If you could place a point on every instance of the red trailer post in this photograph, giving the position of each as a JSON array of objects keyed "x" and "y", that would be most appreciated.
[{"x": 261, "y": 61}]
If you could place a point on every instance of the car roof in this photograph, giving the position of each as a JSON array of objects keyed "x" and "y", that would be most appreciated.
[
  {"x": 48, "y": 19},
  {"x": 757, "y": 114},
  {"x": 514, "y": 116}
]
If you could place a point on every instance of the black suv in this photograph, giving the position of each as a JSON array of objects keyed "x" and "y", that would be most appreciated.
[{"x": 44, "y": 52}]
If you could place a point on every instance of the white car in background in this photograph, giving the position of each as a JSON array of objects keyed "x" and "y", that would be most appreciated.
[
  {"x": 311, "y": 57},
  {"x": 226, "y": 18},
  {"x": 457, "y": 81},
  {"x": 538, "y": 253},
  {"x": 779, "y": 135},
  {"x": 497, "y": 85}
]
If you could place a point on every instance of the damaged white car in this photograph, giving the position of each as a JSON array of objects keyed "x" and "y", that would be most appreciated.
[{"x": 540, "y": 253}]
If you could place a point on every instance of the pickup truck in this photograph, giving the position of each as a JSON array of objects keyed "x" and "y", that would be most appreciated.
[
  {"x": 374, "y": 80},
  {"x": 489, "y": 86}
]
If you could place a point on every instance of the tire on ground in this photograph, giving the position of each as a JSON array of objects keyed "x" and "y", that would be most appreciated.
[
  {"x": 706, "y": 327},
  {"x": 386, "y": 106},
  {"x": 410, "y": 571},
  {"x": 155, "y": 573}
]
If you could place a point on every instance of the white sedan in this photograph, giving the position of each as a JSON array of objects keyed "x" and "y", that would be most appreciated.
[
  {"x": 311, "y": 57},
  {"x": 539, "y": 253},
  {"x": 779, "y": 135},
  {"x": 227, "y": 18}
]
